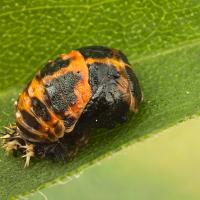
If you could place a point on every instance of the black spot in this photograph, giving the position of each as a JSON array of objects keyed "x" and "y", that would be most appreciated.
[
  {"x": 134, "y": 84},
  {"x": 107, "y": 105},
  {"x": 30, "y": 120},
  {"x": 27, "y": 134},
  {"x": 107, "y": 109},
  {"x": 60, "y": 92},
  {"x": 54, "y": 66},
  {"x": 96, "y": 52},
  {"x": 62, "y": 63},
  {"x": 100, "y": 73},
  {"x": 69, "y": 121},
  {"x": 40, "y": 109}
]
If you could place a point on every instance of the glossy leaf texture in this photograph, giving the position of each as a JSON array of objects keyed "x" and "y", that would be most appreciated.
[{"x": 160, "y": 38}]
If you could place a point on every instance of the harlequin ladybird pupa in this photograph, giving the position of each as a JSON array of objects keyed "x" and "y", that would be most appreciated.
[{"x": 91, "y": 87}]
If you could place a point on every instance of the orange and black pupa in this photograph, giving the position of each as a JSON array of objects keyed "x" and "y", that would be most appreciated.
[{"x": 91, "y": 87}]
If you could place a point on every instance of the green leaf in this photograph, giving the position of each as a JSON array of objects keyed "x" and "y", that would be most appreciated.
[{"x": 160, "y": 38}]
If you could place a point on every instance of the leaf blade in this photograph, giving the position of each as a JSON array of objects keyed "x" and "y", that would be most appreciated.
[{"x": 168, "y": 71}]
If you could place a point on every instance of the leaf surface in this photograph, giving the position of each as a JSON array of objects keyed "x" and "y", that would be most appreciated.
[{"x": 160, "y": 38}]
